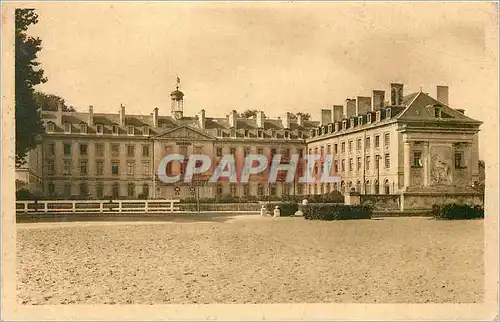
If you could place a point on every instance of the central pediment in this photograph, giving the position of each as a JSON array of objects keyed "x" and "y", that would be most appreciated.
[{"x": 184, "y": 133}]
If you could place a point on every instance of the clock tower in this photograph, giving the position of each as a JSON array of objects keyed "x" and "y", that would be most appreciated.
[{"x": 177, "y": 102}]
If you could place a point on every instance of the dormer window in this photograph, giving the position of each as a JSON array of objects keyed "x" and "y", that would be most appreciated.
[
  {"x": 360, "y": 120},
  {"x": 388, "y": 113},
  {"x": 273, "y": 133},
  {"x": 219, "y": 133},
  {"x": 233, "y": 133},
  {"x": 50, "y": 127},
  {"x": 246, "y": 133},
  {"x": 145, "y": 130},
  {"x": 378, "y": 116},
  {"x": 114, "y": 129},
  {"x": 287, "y": 134},
  {"x": 300, "y": 135},
  {"x": 259, "y": 133},
  {"x": 99, "y": 129},
  {"x": 130, "y": 130},
  {"x": 83, "y": 128},
  {"x": 336, "y": 126},
  {"x": 369, "y": 117},
  {"x": 67, "y": 128},
  {"x": 330, "y": 128},
  {"x": 344, "y": 124},
  {"x": 352, "y": 122},
  {"x": 437, "y": 112},
  {"x": 318, "y": 131}
]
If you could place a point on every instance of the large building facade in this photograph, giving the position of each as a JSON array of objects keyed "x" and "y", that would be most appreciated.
[{"x": 409, "y": 143}]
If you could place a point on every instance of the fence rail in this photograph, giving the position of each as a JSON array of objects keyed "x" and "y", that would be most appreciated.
[{"x": 100, "y": 206}]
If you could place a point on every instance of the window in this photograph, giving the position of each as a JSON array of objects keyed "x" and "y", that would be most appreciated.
[
  {"x": 377, "y": 141},
  {"x": 84, "y": 189},
  {"x": 83, "y": 167},
  {"x": 367, "y": 163},
  {"x": 352, "y": 122},
  {"x": 130, "y": 150},
  {"x": 198, "y": 150},
  {"x": 315, "y": 151},
  {"x": 145, "y": 130},
  {"x": 360, "y": 120},
  {"x": 459, "y": 160},
  {"x": 350, "y": 146},
  {"x": 99, "y": 150},
  {"x": 219, "y": 190},
  {"x": 387, "y": 139},
  {"x": 299, "y": 134},
  {"x": 67, "y": 128},
  {"x": 99, "y": 189},
  {"x": 145, "y": 168},
  {"x": 387, "y": 160},
  {"x": 335, "y": 148},
  {"x": 273, "y": 152},
  {"x": 130, "y": 168},
  {"x": 115, "y": 129},
  {"x": 233, "y": 190},
  {"x": 358, "y": 145},
  {"x": 219, "y": 152},
  {"x": 369, "y": 117},
  {"x": 131, "y": 189},
  {"x": 115, "y": 149},
  {"x": 67, "y": 189},
  {"x": 322, "y": 151},
  {"x": 388, "y": 113},
  {"x": 343, "y": 165},
  {"x": 377, "y": 161},
  {"x": 182, "y": 151},
  {"x": 437, "y": 112},
  {"x": 342, "y": 149},
  {"x": 99, "y": 129},
  {"x": 50, "y": 167},
  {"x": 336, "y": 166},
  {"x": 99, "y": 165},
  {"x": 83, "y": 128},
  {"x": 130, "y": 130},
  {"x": 83, "y": 149},
  {"x": 145, "y": 189},
  {"x": 260, "y": 189},
  {"x": 52, "y": 188},
  {"x": 273, "y": 133},
  {"x": 344, "y": 124},
  {"x": 67, "y": 167},
  {"x": 115, "y": 190},
  {"x": 67, "y": 148},
  {"x": 260, "y": 151},
  {"x": 350, "y": 164},
  {"x": 417, "y": 159},
  {"x": 377, "y": 116},
  {"x": 145, "y": 150},
  {"x": 329, "y": 149},
  {"x": 359, "y": 164},
  {"x": 246, "y": 190},
  {"x": 367, "y": 143},
  {"x": 246, "y": 151},
  {"x": 50, "y": 127},
  {"x": 287, "y": 134},
  {"x": 259, "y": 133},
  {"x": 168, "y": 149},
  {"x": 232, "y": 151},
  {"x": 115, "y": 167},
  {"x": 272, "y": 191},
  {"x": 301, "y": 153},
  {"x": 233, "y": 133},
  {"x": 51, "y": 149}
]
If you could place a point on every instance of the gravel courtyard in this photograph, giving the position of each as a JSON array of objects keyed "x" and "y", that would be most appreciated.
[{"x": 250, "y": 259}]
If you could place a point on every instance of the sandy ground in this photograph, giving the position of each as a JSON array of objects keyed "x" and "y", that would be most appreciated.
[{"x": 250, "y": 259}]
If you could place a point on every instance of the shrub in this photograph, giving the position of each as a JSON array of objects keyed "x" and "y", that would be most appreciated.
[
  {"x": 455, "y": 211},
  {"x": 286, "y": 208},
  {"x": 336, "y": 212}
]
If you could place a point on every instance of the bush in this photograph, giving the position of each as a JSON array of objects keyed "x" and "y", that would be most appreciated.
[
  {"x": 455, "y": 211},
  {"x": 286, "y": 208},
  {"x": 336, "y": 212}
]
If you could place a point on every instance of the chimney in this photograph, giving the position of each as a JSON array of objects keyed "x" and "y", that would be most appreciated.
[
  {"x": 59, "y": 106},
  {"x": 364, "y": 105},
  {"x": 350, "y": 107},
  {"x": 122, "y": 115},
  {"x": 260, "y": 119},
  {"x": 155, "y": 117},
  {"x": 442, "y": 94},
  {"x": 286, "y": 121},
  {"x": 378, "y": 100},
  {"x": 338, "y": 111},
  {"x": 460, "y": 110},
  {"x": 326, "y": 116},
  {"x": 232, "y": 118},
  {"x": 201, "y": 119},
  {"x": 300, "y": 120},
  {"x": 396, "y": 94},
  {"x": 91, "y": 116}
]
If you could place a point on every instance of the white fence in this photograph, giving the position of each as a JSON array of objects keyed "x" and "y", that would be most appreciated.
[{"x": 97, "y": 206}]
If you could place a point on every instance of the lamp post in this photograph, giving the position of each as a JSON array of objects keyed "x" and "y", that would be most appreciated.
[{"x": 378, "y": 174}]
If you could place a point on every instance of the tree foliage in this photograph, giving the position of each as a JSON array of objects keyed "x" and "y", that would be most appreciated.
[
  {"x": 27, "y": 75},
  {"x": 51, "y": 102},
  {"x": 249, "y": 113},
  {"x": 293, "y": 116}
]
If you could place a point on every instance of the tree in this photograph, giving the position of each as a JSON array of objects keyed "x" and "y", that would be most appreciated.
[
  {"x": 305, "y": 116},
  {"x": 51, "y": 102},
  {"x": 249, "y": 113},
  {"x": 27, "y": 75}
]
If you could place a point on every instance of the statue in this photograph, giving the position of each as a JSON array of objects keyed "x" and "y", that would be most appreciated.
[{"x": 441, "y": 173}]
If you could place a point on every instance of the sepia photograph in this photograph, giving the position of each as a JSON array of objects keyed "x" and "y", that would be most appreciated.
[{"x": 249, "y": 160}]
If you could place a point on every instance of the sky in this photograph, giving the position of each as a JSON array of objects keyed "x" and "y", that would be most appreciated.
[{"x": 275, "y": 57}]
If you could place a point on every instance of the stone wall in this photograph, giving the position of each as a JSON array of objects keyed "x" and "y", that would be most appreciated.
[
  {"x": 424, "y": 201},
  {"x": 382, "y": 202},
  {"x": 221, "y": 207}
]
